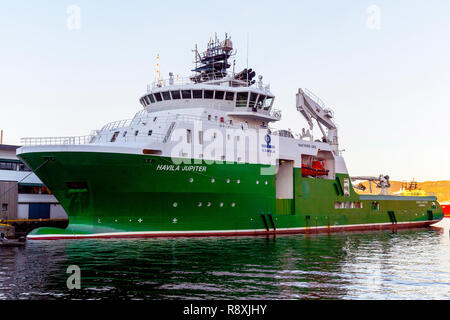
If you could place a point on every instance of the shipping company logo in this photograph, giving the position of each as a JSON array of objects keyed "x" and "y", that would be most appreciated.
[{"x": 268, "y": 147}]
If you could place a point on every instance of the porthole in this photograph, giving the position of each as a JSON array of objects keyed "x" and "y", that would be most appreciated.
[
  {"x": 213, "y": 180},
  {"x": 238, "y": 181},
  {"x": 175, "y": 204},
  {"x": 191, "y": 180},
  {"x": 199, "y": 204},
  {"x": 228, "y": 180},
  {"x": 208, "y": 204},
  {"x": 221, "y": 204},
  {"x": 265, "y": 182},
  {"x": 257, "y": 181},
  {"x": 233, "y": 204}
]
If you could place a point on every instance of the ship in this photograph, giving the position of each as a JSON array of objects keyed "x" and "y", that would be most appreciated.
[
  {"x": 446, "y": 208},
  {"x": 201, "y": 158},
  {"x": 411, "y": 189}
]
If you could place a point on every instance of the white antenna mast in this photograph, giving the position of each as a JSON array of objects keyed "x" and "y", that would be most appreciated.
[{"x": 247, "y": 57}]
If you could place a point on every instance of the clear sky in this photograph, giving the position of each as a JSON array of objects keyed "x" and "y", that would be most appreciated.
[{"x": 385, "y": 73}]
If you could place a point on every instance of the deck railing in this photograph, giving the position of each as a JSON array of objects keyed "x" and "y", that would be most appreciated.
[
  {"x": 56, "y": 140},
  {"x": 180, "y": 81}
]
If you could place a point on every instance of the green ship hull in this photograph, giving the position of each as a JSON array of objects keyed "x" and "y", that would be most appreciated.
[{"x": 129, "y": 195}]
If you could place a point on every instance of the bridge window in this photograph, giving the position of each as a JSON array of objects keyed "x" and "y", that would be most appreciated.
[
  {"x": 220, "y": 95},
  {"x": 176, "y": 94},
  {"x": 158, "y": 96},
  {"x": 268, "y": 103},
  {"x": 241, "y": 100},
  {"x": 229, "y": 96},
  {"x": 197, "y": 94},
  {"x": 253, "y": 97},
  {"x": 260, "y": 102},
  {"x": 166, "y": 95},
  {"x": 209, "y": 94},
  {"x": 146, "y": 100},
  {"x": 186, "y": 94},
  {"x": 152, "y": 99}
]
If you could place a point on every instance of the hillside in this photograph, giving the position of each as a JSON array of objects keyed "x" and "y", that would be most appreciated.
[{"x": 440, "y": 188}]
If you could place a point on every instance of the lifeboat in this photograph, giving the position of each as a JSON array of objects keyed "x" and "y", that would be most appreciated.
[{"x": 315, "y": 170}]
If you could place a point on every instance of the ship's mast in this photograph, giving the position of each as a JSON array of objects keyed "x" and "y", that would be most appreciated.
[{"x": 212, "y": 64}]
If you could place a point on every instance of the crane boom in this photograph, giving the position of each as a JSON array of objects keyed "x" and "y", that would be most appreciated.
[{"x": 311, "y": 109}]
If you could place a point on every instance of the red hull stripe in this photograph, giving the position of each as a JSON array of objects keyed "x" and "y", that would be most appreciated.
[{"x": 309, "y": 230}]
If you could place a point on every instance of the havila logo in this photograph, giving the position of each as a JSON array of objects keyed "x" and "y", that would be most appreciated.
[
  {"x": 73, "y": 21},
  {"x": 373, "y": 21},
  {"x": 74, "y": 280},
  {"x": 268, "y": 147},
  {"x": 230, "y": 146}
]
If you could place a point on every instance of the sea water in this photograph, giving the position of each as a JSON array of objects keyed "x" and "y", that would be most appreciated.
[{"x": 409, "y": 264}]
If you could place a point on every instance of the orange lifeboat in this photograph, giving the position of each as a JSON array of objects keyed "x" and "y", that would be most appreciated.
[{"x": 316, "y": 169}]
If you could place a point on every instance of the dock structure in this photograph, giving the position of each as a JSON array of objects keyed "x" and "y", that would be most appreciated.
[{"x": 25, "y": 202}]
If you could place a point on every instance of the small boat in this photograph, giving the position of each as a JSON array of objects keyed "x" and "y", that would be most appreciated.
[{"x": 317, "y": 169}]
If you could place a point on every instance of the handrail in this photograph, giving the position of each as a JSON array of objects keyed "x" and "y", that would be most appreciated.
[
  {"x": 180, "y": 81},
  {"x": 315, "y": 98},
  {"x": 37, "y": 141}
]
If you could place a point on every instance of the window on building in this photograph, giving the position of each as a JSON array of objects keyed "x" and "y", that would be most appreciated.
[
  {"x": 23, "y": 167},
  {"x": 241, "y": 99},
  {"x": 8, "y": 165}
]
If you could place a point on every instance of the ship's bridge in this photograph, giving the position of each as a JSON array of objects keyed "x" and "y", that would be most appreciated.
[{"x": 234, "y": 97}]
